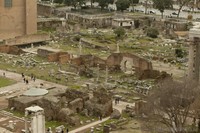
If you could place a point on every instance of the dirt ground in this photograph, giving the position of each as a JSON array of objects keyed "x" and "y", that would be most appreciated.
[
  {"x": 170, "y": 69},
  {"x": 4, "y": 122}
]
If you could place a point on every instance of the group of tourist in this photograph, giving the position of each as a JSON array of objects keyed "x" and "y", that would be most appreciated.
[{"x": 26, "y": 79}]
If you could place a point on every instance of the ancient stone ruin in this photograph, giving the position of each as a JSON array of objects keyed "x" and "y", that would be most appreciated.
[
  {"x": 10, "y": 50},
  {"x": 64, "y": 104}
]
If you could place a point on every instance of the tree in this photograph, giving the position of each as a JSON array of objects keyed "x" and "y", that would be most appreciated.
[
  {"x": 122, "y": 4},
  {"x": 133, "y": 2},
  {"x": 161, "y": 5},
  {"x": 74, "y": 3},
  {"x": 182, "y": 3},
  {"x": 104, "y": 3},
  {"x": 58, "y": 1},
  {"x": 119, "y": 32},
  {"x": 170, "y": 104}
]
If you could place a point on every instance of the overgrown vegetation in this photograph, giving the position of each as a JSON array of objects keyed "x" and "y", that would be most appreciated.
[{"x": 152, "y": 32}]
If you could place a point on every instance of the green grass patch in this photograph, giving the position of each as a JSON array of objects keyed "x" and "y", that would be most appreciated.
[{"x": 6, "y": 82}]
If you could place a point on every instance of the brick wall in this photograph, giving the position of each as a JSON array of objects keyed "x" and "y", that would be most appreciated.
[
  {"x": 63, "y": 59},
  {"x": 59, "y": 57},
  {"x": 138, "y": 62},
  {"x": 10, "y": 50}
]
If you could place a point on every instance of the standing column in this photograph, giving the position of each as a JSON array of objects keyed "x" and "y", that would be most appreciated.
[
  {"x": 191, "y": 63},
  {"x": 197, "y": 59},
  {"x": 194, "y": 60}
]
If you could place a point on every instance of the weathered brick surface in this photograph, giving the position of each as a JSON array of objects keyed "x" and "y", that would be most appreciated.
[
  {"x": 59, "y": 56},
  {"x": 89, "y": 60},
  {"x": 63, "y": 59},
  {"x": 138, "y": 62},
  {"x": 10, "y": 50}
]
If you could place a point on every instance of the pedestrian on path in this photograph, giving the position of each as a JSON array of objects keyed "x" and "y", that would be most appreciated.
[
  {"x": 4, "y": 74},
  {"x": 34, "y": 78},
  {"x": 67, "y": 130},
  {"x": 100, "y": 117},
  {"x": 31, "y": 76},
  {"x": 22, "y": 75},
  {"x": 115, "y": 101},
  {"x": 26, "y": 81}
]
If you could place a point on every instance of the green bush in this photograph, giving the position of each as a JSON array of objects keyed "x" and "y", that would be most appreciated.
[
  {"x": 152, "y": 32},
  {"x": 119, "y": 32}
]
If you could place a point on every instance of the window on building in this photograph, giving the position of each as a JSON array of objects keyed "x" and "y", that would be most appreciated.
[{"x": 8, "y": 3}]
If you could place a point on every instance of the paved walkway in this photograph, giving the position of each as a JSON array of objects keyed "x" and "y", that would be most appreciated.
[
  {"x": 122, "y": 105},
  {"x": 20, "y": 86}
]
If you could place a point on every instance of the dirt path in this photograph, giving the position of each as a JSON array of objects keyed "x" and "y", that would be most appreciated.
[{"x": 171, "y": 69}]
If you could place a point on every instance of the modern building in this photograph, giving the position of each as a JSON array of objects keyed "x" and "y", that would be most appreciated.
[{"x": 17, "y": 18}]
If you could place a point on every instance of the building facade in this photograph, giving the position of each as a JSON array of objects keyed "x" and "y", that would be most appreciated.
[{"x": 17, "y": 18}]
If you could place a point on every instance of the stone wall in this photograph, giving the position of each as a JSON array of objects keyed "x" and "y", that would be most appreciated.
[
  {"x": 10, "y": 50},
  {"x": 44, "y": 52},
  {"x": 45, "y": 10},
  {"x": 89, "y": 21},
  {"x": 100, "y": 104},
  {"x": 76, "y": 105},
  {"x": 28, "y": 39},
  {"x": 176, "y": 25},
  {"x": 51, "y": 24},
  {"x": 89, "y": 60}
]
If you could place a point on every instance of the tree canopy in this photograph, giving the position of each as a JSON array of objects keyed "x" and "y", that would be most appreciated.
[
  {"x": 58, "y": 1},
  {"x": 104, "y": 3},
  {"x": 182, "y": 3},
  {"x": 74, "y": 3},
  {"x": 134, "y": 1},
  {"x": 161, "y": 5},
  {"x": 122, "y": 4}
]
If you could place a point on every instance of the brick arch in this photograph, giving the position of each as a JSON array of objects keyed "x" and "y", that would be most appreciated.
[{"x": 138, "y": 63}]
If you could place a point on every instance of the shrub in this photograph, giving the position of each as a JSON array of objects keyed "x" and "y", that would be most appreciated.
[
  {"x": 152, "y": 32},
  {"x": 119, "y": 32}
]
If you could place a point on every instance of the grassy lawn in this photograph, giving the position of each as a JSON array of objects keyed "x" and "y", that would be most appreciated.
[{"x": 5, "y": 82}]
